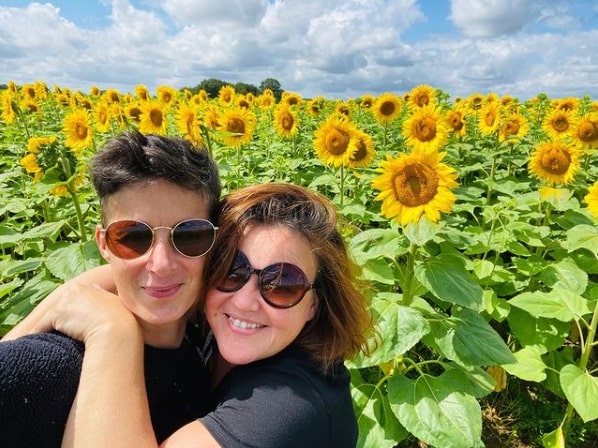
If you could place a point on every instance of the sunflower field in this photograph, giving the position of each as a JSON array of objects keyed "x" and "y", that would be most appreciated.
[{"x": 473, "y": 221}]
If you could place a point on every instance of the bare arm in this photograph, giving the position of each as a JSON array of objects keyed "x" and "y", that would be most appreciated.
[{"x": 101, "y": 276}]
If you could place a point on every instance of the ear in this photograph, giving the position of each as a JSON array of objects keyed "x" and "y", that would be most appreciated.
[{"x": 100, "y": 238}]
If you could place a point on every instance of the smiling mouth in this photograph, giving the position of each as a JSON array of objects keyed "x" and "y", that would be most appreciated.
[{"x": 243, "y": 324}]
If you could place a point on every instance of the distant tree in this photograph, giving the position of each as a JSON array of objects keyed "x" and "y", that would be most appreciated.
[
  {"x": 272, "y": 84},
  {"x": 212, "y": 86},
  {"x": 244, "y": 88}
]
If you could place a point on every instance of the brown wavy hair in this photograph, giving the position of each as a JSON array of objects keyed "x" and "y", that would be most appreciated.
[{"x": 342, "y": 323}]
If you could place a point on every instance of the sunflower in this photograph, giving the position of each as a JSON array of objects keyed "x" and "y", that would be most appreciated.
[
  {"x": 456, "y": 122},
  {"x": 489, "y": 118},
  {"x": 291, "y": 98},
  {"x": 210, "y": 116},
  {"x": 29, "y": 162},
  {"x": 78, "y": 130},
  {"x": 236, "y": 126},
  {"x": 316, "y": 105},
  {"x": 422, "y": 95},
  {"x": 28, "y": 92},
  {"x": 364, "y": 150},
  {"x": 188, "y": 123},
  {"x": 333, "y": 141},
  {"x": 592, "y": 199},
  {"x": 153, "y": 119},
  {"x": 94, "y": 91},
  {"x": 266, "y": 100},
  {"x": 585, "y": 134},
  {"x": 413, "y": 185},
  {"x": 6, "y": 104},
  {"x": 166, "y": 96},
  {"x": 101, "y": 116},
  {"x": 513, "y": 127},
  {"x": 343, "y": 109},
  {"x": 568, "y": 104},
  {"x": 42, "y": 153},
  {"x": 367, "y": 101},
  {"x": 554, "y": 162},
  {"x": 285, "y": 121},
  {"x": 387, "y": 108},
  {"x": 111, "y": 96},
  {"x": 133, "y": 112},
  {"x": 142, "y": 92},
  {"x": 475, "y": 101},
  {"x": 559, "y": 123},
  {"x": 226, "y": 95},
  {"x": 425, "y": 129}
]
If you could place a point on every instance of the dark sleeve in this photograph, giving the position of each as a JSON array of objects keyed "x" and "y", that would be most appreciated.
[
  {"x": 269, "y": 408},
  {"x": 39, "y": 377}
]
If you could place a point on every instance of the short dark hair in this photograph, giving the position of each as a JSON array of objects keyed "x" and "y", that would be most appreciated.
[{"x": 133, "y": 157}]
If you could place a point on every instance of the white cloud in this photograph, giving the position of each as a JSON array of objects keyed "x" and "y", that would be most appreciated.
[{"x": 487, "y": 18}]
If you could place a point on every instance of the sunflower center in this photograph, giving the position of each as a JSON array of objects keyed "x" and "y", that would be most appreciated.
[
  {"x": 422, "y": 100},
  {"x": 81, "y": 131},
  {"x": 235, "y": 125},
  {"x": 456, "y": 122},
  {"x": 360, "y": 152},
  {"x": 588, "y": 132},
  {"x": 287, "y": 122},
  {"x": 156, "y": 117},
  {"x": 425, "y": 129},
  {"x": 416, "y": 184},
  {"x": 511, "y": 127},
  {"x": 561, "y": 124},
  {"x": 556, "y": 161},
  {"x": 337, "y": 142},
  {"x": 490, "y": 118},
  {"x": 387, "y": 108}
]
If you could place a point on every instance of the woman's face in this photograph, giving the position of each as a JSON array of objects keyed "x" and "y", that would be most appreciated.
[
  {"x": 161, "y": 285},
  {"x": 246, "y": 328}
]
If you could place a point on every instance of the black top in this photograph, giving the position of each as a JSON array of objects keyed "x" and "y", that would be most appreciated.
[
  {"x": 39, "y": 376},
  {"x": 283, "y": 402}
]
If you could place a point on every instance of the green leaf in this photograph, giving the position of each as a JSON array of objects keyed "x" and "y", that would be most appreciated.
[
  {"x": 544, "y": 334},
  {"x": 400, "y": 329},
  {"x": 529, "y": 365},
  {"x": 558, "y": 304},
  {"x": 432, "y": 410},
  {"x": 422, "y": 231},
  {"x": 378, "y": 271},
  {"x": 378, "y": 426},
  {"x": 445, "y": 277},
  {"x": 583, "y": 237},
  {"x": 581, "y": 389},
  {"x": 566, "y": 275},
  {"x": 554, "y": 439},
  {"x": 67, "y": 262},
  {"x": 468, "y": 339}
]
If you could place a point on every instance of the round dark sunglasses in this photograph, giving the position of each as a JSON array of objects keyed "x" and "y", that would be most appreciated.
[
  {"x": 281, "y": 285},
  {"x": 128, "y": 239}
]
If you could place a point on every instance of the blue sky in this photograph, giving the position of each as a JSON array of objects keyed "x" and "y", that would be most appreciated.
[{"x": 335, "y": 48}]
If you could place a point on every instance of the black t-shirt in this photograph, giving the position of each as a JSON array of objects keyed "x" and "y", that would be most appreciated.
[
  {"x": 283, "y": 402},
  {"x": 39, "y": 377}
]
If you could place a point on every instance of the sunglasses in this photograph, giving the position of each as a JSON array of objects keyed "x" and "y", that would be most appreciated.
[
  {"x": 128, "y": 239},
  {"x": 281, "y": 285}
]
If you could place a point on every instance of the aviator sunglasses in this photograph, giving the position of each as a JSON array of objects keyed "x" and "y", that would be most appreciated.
[
  {"x": 128, "y": 239},
  {"x": 281, "y": 285}
]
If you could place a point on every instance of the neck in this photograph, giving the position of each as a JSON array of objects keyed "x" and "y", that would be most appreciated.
[
  {"x": 163, "y": 336},
  {"x": 220, "y": 367}
]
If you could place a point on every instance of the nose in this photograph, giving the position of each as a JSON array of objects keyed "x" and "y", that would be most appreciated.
[
  {"x": 162, "y": 256},
  {"x": 248, "y": 298}
]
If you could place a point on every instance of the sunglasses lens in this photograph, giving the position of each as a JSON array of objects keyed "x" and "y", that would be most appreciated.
[
  {"x": 283, "y": 285},
  {"x": 194, "y": 237},
  {"x": 238, "y": 274},
  {"x": 128, "y": 239}
]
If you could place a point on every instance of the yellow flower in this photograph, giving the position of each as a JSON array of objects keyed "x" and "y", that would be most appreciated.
[
  {"x": 290, "y": 98},
  {"x": 422, "y": 95},
  {"x": 333, "y": 143},
  {"x": 166, "y": 95},
  {"x": 513, "y": 127},
  {"x": 456, "y": 122},
  {"x": 585, "y": 134},
  {"x": 236, "y": 126},
  {"x": 285, "y": 121},
  {"x": 111, "y": 96},
  {"x": 266, "y": 100},
  {"x": 425, "y": 129},
  {"x": 499, "y": 376},
  {"x": 475, "y": 100},
  {"x": 568, "y": 104},
  {"x": 78, "y": 131},
  {"x": 387, "y": 108},
  {"x": 592, "y": 199},
  {"x": 367, "y": 101},
  {"x": 489, "y": 118},
  {"x": 364, "y": 150},
  {"x": 133, "y": 112},
  {"x": 152, "y": 119},
  {"x": 29, "y": 162},
  {"x": 226, "y": 95},
  {"x": 343, "y": 108},
  {"x": 415, "y": 185},
  {"x": 102, "y": 117},
  {"x": 554, "y": 162},
  {"x": 6, "y": 104},
  {"x": 315, "y": 105},
  {"x": 142, "y": 92},
  {"x": 559, "y": 124},
  {"x": 94, "y": 91},
  {"x": 35, "y": 144},
  {"x": 188, "y": 123}
]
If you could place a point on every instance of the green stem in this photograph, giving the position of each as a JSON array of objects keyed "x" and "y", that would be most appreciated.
[
  {"x": 408, "y": 275},
  {"x": 342, "y": 171},
  {"x": 80, "y": 221}
]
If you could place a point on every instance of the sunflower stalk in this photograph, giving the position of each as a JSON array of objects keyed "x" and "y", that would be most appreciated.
[
  {"x": 66, "y": 166},
  {"x": 408, "y": 274}
]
